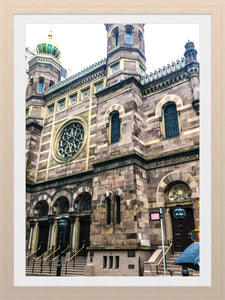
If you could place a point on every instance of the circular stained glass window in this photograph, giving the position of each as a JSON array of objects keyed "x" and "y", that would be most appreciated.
[{"x": 70, "y": 140}]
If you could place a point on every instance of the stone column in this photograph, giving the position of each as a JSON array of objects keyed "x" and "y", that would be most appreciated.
[
  {"x": 168, "y": 227},
  {"x": 50, "y": 221},
  {"x": 76, "y": 235},
  {"x": 72, "y": 221},
  {"x": 35, "y": 237},
  {"x": 54, "y": 234},
  {"x": 32, "y": 223}
]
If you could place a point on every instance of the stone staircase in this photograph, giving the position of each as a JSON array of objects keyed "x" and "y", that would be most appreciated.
[
  {"x": 174, "y": 270},
  {"x": 76, "y": 269}
]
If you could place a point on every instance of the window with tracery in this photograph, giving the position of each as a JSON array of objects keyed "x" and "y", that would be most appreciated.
[
  {"x": 115, "y": 127},
  {"x": 171, "y": 121},
  {"x": 179, "y": 192},
  {"x": 70, "y": 140}
]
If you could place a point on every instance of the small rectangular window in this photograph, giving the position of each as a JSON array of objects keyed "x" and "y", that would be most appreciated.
[
  {"x": 104, "y": 262},
  {"x": 85, "y": 94},
  {"x": 117, "y": 262},
  {"x": 27, "y": 112},
  {"x": 131, "y": 253},
  {"x": 115, "y": 68},
  {"x": 110, "y": 262},
  {"x": 98, "y": 87},
  {"x": 61, "y": 104},
  {"x": 73, "y": 99},
  {"x": 51, "y": 109}
]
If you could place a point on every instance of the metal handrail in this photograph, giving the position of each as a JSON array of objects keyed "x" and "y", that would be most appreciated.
[
  {"x": 52, "y": 253},
  {"x": 33, "y": 252},
  {"x": 73, "y": 257},
  {"x": 157, "y": 265},
  {"x": 75, "y": 253},
  {"x": 37, "y": 258},
  {"x": 61, "y": 252}
]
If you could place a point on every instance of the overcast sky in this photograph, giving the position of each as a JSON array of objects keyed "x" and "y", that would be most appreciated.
[{"x": 84, "y": 44}]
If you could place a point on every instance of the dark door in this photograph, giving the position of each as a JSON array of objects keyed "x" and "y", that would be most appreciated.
[
  {"x": 65, "y": 238},
  {"x": 84, "y": 233},
  {"x": 182, "y": 230},
  {"x": 43, "y": 237}
]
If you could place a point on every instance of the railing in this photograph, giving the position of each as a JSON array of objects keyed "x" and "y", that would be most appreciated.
[
  {"x": 157, "y": 266},
  {"x": 61, "y": 253},
  {"x": 73, "y": 257},
  {"x": 52, "y": 253},
  {"x": 37, "y": 258},
  {"x": 29, "y": 255}
]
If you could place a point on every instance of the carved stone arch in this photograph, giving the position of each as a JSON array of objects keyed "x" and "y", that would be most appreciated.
[
  {"x": 43, "y": 196},
  {"x": 168, "y": 98},
  {"x": 80, "y": 190},
  {"x": 63, "y": 193},
  {"x": 114, "y": 107},
  {"x": 173, "y": 177}
]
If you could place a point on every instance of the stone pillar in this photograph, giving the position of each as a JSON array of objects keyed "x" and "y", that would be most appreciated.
[
  {"x": 35, "y": 237},
  {"x": 76, "y": 235},
  {"x": 72, "y": 221},
  {"x": 168, "y": 225},
  {"x": 32, "y": 223},
  {"x": 54, "y": 233},
  {"x": 50, "y": 221}
]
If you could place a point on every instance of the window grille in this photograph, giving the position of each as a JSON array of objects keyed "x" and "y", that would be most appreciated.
[
  {"x": 171, "y": 121},
  {"x": 115, "y": 127}
]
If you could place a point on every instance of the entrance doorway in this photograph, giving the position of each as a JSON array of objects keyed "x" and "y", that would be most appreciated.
[
  {"x": 182, "y": 230},
  {"x": 84, "y": 234},
  {"x": 43, "y": 237}
]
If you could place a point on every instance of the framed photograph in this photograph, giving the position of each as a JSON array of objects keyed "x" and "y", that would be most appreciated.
[{"x": 111, "y": 167}]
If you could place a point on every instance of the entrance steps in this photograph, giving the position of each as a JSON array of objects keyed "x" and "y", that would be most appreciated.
[
  {"x": 174, "y": 270},
  {"x": 46, "y": 269}
]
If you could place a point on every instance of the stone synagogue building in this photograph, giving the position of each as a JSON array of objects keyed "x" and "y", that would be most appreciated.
[{"x": 105, "y": 148}]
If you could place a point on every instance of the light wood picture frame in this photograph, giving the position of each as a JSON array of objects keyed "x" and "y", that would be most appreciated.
[{"x": 7, "y": 12}]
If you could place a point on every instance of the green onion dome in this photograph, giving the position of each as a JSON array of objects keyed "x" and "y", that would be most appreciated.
[{"x": 48, "y": 49}]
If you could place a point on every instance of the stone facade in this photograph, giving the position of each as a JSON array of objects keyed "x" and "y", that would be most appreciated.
[{"x": 106, "y": 190}]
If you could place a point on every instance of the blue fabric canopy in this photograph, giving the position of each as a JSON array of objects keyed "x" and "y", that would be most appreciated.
[{"x": 189, "y": 257}]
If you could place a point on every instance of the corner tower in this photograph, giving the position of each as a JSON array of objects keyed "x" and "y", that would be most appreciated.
[{"x": 125, "y": 52}]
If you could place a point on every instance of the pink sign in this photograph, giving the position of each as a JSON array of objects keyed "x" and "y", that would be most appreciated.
[{"x": 155, "y": 216}]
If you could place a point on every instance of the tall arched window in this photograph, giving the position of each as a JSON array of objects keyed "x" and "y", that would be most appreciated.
[
  {"x": 115, "y": 37},
  {"x": 140, "y": 39},
  {"x": 128, "y": 35},
  {"x": 41, "y": 85},
  {"x": 117, "y": 200},
  {"x": 108, "y": 211},
  {"x": 171, "y": 121},
  {"x": 115, "y": 127}
]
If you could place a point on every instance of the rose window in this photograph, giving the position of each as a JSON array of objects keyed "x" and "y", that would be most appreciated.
[{"x": 70, "y": 140}]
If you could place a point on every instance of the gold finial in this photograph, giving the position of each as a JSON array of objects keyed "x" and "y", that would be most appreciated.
[{"x": 50, "y": 34}]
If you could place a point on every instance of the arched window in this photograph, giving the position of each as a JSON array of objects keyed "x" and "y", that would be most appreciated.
[
  {"x": 108, "y": 211},
  {"x": 128, "y": 35},
  {"x": 41, "y": 209},
  {"x": 51, "y": 83},
  {"x": 171, "y": 121},
  {"x": 41, "y": 85},
  {"x": 140, "y": 39},
  {"x": 117, "y": 200},
  {"x": 84, "y": 200},
  {"x": 115, "y": 37},
  {"x": 61, "y": 206},
  {"x": 115, "y": 127}
]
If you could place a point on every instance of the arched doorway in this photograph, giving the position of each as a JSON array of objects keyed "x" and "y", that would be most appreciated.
[
  {"x": 61, "y": 209},
  {"x": 84, "y": 211},
  {"x": 41, "y": 212},
  {"x": 182, "y": 229},
  {"x": 179, "y": 192}
]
